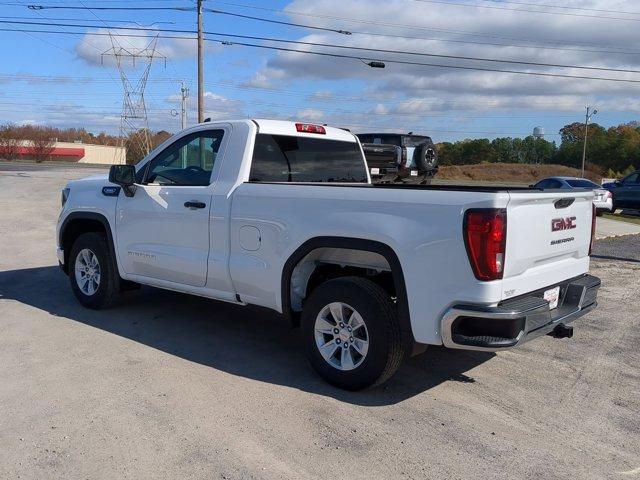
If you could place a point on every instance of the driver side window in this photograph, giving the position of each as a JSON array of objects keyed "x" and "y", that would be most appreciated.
[{"x": 188, "y": 161}]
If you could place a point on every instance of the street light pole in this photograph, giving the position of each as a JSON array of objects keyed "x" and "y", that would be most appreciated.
[
  {"x": 586, "y": 130},
  {"x": 200, "y": 65}
]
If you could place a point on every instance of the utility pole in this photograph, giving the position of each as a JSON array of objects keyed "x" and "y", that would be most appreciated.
[
  {"x": 200, "y": 65},
  {"x": 586, "y": 130},
  {"x": 184, "y": 94}
]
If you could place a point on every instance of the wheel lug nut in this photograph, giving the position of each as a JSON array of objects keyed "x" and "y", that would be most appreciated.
[
  {"x": 351, "y": 339},
  {"x": 341, "y": 325},
  {"x": 348, "y": 329},
  {"x": 336, "y": 331},
  {"x": 345, "y": 345},
  {"x": 338, "y": 341}
]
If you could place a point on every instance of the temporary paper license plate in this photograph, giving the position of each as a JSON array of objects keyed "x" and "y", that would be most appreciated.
[{"x": 552, "y": 296}]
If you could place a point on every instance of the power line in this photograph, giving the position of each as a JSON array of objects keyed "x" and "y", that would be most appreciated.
[
  {"x": 374, "y": 50},
  {"x": 443, "y": 2},
  {"x": 354, "y": 57},
  {"x": 279, "y": 22},
  {"x": 563, "y": 7},
  {"x": 400, "y": 25},
  {"x": 525, "y": 10},
  {"x": 378, "y": 34},
  {"x": 353, "y": 32},
  {"x": 390, "y": 35},
  {"x": 358, "y": 21}
]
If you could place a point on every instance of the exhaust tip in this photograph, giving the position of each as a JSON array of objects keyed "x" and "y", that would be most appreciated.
[{"x": 562, "y": 331}]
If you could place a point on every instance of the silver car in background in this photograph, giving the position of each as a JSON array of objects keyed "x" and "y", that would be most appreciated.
[{"x": 603, "y": 200}]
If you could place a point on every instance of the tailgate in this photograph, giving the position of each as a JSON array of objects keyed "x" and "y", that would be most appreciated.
[{"x": 548, "y": 238}]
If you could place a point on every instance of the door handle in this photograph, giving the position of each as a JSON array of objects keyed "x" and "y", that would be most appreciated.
[{"x": 193, "y": 204}]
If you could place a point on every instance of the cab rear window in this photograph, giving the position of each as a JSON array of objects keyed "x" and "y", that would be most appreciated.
[{"x": 283, "y": 158}]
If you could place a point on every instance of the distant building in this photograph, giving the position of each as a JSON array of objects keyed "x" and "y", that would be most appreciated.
[
  {"x": 538, "y": 132},
  {"x": 75, "y": 152}
]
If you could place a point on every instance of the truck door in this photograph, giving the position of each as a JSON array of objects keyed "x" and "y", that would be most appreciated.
[
  {"x": 628, "y": 194},
  {"x": 162, "y": 231}
]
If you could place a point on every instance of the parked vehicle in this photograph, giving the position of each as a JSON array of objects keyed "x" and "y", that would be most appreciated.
[
  {"x": 405, "y": 158},
  {"x": 283, "y": 215},
  {"x": 626, "y": 192},
  {"x": 602, "y": 199}
]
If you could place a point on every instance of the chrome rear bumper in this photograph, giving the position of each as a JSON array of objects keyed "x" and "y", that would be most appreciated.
[{"x": 515, "y": 321}]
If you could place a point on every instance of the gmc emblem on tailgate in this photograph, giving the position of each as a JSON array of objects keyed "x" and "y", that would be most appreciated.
[{"x": 558, "y": 224}]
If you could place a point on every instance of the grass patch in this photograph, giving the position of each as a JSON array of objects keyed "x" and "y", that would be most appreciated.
[{"x": 623, "y": 218}]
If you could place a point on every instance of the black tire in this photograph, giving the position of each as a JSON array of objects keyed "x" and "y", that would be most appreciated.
[
  {"x": 108, "y": 286},
  {"x": 377, "y": 310}
]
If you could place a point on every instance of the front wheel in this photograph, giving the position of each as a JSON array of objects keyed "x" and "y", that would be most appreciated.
[
  {"x": 92, "y": 271},
  {"x": 351, "y": 333}
]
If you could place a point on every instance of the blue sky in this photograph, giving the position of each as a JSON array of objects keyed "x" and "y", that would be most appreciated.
[{"x": 58, "y": 79}]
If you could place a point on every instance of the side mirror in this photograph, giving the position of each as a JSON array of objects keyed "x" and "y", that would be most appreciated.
[{"x": 125, "y": 176}]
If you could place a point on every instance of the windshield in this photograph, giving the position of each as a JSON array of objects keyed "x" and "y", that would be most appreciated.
[
  {"x": 415, "y": 140},
  {"x": 582, "y": 183}
]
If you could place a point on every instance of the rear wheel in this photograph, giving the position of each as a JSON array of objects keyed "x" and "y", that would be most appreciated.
[
  {"x": 351, "y": 333},
  {"x": 92, "y": 273}
]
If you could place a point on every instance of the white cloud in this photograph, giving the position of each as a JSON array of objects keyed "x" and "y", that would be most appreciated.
[
  {"x": 98, "y": 50},
  {"x": 311, "y": 115},
  {"x": 501, "y": 34},
  {"x": 266, "y": 78},
  {"x": 215, "y": 106}
]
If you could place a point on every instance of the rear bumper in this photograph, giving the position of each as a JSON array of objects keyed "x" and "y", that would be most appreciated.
[
  {"x": 518, "y": 320},
  {"x": 604, "y": 205}
]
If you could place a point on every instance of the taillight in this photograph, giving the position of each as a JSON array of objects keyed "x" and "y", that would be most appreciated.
[
  {"x": 310, "y": 128},
  {"x": 485, "y": 234},
  {"x": 593, "y": 227}
]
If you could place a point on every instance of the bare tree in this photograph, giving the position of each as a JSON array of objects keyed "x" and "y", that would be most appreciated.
[
  {"x": 42, "y": 143},
  {"x": 9, "y": 142}
]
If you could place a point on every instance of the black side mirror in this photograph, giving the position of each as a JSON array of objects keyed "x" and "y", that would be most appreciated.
[{"x": 125, "y": 176}]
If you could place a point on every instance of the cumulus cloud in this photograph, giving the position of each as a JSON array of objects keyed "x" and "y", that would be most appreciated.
[
  {"x": 469, "y": 32},
  {"x": 266, "y": 78},
  {"x": 98, "y": 50},
  {"x": 216, "y": 106},
  {"x": 311, "y": 115}
]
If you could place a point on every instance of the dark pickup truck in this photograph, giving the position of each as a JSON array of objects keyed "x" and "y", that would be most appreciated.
[
  {"x": 626, "y": 192},
  {"x": 399, "y": 157}
]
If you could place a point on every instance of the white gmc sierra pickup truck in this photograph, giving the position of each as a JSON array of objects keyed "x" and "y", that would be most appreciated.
[{"x": 283, "y": 215}]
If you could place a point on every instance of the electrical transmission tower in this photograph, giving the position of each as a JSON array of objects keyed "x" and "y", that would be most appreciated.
[{"x": 133, "y": 120}]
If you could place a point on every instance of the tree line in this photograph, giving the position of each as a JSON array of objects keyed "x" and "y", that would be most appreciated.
[
  {"x": 42, "y": 139},
  {"x": 612, "y": 152}
]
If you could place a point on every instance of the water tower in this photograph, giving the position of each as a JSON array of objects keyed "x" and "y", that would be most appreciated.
[{"x": 538, "y": 132}]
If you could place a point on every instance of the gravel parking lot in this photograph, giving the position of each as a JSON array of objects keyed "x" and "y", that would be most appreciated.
[{"x": 171, "y": 386}]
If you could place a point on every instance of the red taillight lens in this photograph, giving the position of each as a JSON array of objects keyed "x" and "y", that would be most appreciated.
[
  {"x": 593, "y": 227},
  {"x": 485, "y": 233},
  {"x": 310, "y": 128}
]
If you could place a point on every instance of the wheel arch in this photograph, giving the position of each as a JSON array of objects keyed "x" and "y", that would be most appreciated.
[
  {"x": 78, "y": 223},
  {"x": 359, "y": 244}
]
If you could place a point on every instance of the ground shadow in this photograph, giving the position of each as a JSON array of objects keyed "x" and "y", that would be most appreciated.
[{"x": 247, "y": 341}]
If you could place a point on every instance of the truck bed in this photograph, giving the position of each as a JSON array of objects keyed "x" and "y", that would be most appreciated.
[{"x": 408, "y": 186}]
